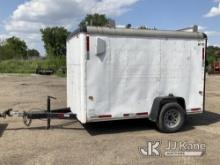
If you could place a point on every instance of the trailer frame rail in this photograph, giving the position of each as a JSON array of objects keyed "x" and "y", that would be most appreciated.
[{"x": 61, "y": 113}]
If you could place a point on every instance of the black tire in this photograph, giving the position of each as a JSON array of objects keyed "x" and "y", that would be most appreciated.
[{"x": 171, "y": 118}]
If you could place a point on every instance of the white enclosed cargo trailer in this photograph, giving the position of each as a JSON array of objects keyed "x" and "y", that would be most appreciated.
[{"x": 115, "y": 74}]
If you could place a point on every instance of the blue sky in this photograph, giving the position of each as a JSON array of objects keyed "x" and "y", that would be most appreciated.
[{"x": 24, "y": 18}]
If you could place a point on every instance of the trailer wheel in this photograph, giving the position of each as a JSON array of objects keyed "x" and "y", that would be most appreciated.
[{"x": 171, "y": 118}]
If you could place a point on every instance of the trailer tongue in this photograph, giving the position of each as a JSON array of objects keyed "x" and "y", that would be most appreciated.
[{"x": 61, "y": 113}]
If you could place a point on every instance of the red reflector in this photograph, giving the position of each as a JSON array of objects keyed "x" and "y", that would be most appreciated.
[
  {"x": 196, "y": 109},
  {"x": 203, "y": 53},
  {"x": 61, "y": 116},
  {"x": 105, "y": 116},
  {"x": 126, "y": 115},
  {"x": 87, "y": 43},
  {"x": 143, "y": 113}
]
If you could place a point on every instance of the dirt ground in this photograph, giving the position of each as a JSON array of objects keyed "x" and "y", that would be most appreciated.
[{"x": 68, "y": 142}]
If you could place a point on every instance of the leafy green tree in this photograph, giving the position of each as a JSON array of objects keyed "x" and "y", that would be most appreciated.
[
  {"x": 128, "y": 26},
  {"x": 13, "y": 47},
  {"x": 54, "y": 39},
  {"x": 142, "y": 27},
  {"x": 32, "y": 53},
  {"x": 94, "y": 20},
  {"x": 213, "y": 50},
  {"x": 6, "y": 53},
  {"x": 213, "y": 53}
]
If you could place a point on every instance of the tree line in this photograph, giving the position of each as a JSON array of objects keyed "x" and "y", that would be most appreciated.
[
  {"x": 15, "y": 48},
  {"x": 213, "y": 54}
]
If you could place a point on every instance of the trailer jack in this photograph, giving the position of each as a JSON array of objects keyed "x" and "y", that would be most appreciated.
[{"x": 61, "y": 113}]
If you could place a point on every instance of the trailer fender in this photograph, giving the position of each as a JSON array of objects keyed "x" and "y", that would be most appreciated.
[{"x": 160, "y": 101}]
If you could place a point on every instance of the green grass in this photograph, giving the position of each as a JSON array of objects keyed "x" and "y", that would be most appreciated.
[{"x": 30, "y": 66}]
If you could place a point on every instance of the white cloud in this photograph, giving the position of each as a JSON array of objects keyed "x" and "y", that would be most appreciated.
[
  {"x": 31, "y": 16},
  {"x": 218, "y": 45},
  {"x": 113, "y": 7},
  {"x": 201, "y": 28},
  {"x": 213, "y": 44},
  {"x": 209, "y": 32},
  {"x": 23, "y": 26},
  {"x": 3, "y": 36},
  {"x": 120, "y": 26},
  {"x": 214, "y": 11},
  {"x": 212, "y": 33}
]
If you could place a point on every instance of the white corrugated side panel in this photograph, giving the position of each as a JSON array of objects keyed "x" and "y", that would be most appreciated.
[
  {"x": 134, "y": 71},
  {"x": 124, "y": 79},
  {"x": 182, "y": 70},
  {"x": 76, "y": 76}
]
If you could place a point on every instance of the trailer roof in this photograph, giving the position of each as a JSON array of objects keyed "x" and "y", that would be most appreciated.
[{"x": 139, "y": 33}]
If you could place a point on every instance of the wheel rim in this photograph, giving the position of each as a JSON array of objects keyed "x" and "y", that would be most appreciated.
[{"x": 172, "y": 118}]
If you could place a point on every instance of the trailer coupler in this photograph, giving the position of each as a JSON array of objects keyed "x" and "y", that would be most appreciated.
[
  {"x": 6, "y": 113},
  {"x": 62, "y": 113}
]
